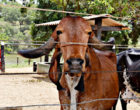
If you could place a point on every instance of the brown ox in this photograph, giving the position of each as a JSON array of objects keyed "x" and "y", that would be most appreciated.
[{"x": 83, "y": 78}]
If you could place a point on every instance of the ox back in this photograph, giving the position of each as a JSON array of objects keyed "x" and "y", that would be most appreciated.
[{"x": 129, "y": 79}]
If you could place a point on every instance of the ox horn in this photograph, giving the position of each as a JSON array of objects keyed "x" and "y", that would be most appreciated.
[
  {"x": 38, "y": 52},
  {"x": 102, "y": 46}
]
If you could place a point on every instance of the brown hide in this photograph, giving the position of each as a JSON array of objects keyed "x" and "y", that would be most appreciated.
[
  {"x": 99, "y": 82},
  {"x": 98, "y": 85},
  {"x": 83, "y": 81},
  {"x": 73, "y": 30},
  {"x": 110, "y": 55}
]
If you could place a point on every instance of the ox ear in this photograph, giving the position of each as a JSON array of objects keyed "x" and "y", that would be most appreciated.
[{"x": 54, "y": 68}]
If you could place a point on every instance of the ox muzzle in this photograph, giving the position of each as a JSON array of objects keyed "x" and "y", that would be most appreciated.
[{"x": 75, "y": 65}]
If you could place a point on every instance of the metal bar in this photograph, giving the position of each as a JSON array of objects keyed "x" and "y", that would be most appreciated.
[
  {"x": 21, "y": 44},
  {"x": 84, "y": 102}
]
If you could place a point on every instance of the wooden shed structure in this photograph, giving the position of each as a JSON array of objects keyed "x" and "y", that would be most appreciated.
[{"x": 101, "y": 22}]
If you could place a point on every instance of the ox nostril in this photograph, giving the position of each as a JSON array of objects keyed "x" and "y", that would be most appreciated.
[
  {"x": 81, "y": 61},
  {"x": 75, "y": 61},
  {"x": 69, "y": 61}
]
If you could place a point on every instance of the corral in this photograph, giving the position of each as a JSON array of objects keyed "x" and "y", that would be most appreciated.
[
  {"x": 35, "y": 80},
  {"x": 24, "y": 90}
]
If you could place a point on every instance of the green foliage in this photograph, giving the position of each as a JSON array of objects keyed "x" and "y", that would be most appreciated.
[
  {"x": 15, "y": 25},
  {"x": 18, "y": 66},
  {"x": 44, "y": 33},
  {"x": 3, "y": 36},
  {"x": 27, "y": 60},
  {"x": 15, "y": 22},
  {"x": 118, "y": 8}
]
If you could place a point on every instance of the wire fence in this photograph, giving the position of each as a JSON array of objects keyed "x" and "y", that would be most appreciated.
[
  {"x": 117, "y": 46},
  {"x": 104, "y": 99},
  {"x": 7, "y": 74},
  {"x": 59, "y": 11},
  {"x": 120, "y": 46},
  {"x": 36, "y": 105}
]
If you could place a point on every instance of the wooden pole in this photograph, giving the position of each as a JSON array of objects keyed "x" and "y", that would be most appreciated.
[
  {"x": 17, "y": 60},
  {"x": 34, "y": 66},
  {"x": 113, "y": 49},
  {"x": 2, "y": 58},
  {"x": 98, "y": 22},
  {"x": 40, "y": 59},
  {"x": 29, "y": 62},
  {"x": 46, "y": 58}
]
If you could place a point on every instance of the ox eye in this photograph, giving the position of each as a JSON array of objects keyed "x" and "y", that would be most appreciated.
[
  {"x": 89, "y": 33},
  {"x": 59, "y": 32}
]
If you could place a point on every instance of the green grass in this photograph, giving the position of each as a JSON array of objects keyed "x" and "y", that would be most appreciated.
[
  {"x": 33, "y": 81},
  {"x": 21, "y": 65}
]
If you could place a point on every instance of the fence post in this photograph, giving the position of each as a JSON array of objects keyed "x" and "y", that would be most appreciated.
[
  {"x": 46, "y": 58},
  {"x": 113, "y": 48},
  {"x": 29, "y": 62},
  {"x": 2, "y": 58},
  {"x": 17, "y": 60},
  {"x": 40, "y": 59},
  {"x": 34, "y": 66}
]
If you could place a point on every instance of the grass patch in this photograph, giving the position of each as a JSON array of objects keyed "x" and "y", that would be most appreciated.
[
  {"x": 21, "y": 65},
  {"x": 33, "y": 81}
]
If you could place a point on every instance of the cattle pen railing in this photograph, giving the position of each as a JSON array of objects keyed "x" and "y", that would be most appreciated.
[
  {"x": 104, "y": 99},
  {"x": 37, "y": 105},
  {"x": 30, "y": 43},
  {"x": 14, "y": 107},
  {"x": 3, "y": 64}
]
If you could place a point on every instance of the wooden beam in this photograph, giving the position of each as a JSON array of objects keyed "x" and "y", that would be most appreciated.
[
  {"x": 106, "y": 28},
  {"x": 98, "y": 23}
]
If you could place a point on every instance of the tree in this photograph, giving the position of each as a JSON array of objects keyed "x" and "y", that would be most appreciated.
[
  {"x": 43, "y": 33},
  {"x": 15, "y": 25},
  {"x": 117, "y": 8},
  {"x": 3, "y": 36}
]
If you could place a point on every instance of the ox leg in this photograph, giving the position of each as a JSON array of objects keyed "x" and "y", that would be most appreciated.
[
  {"x": 114, "y": 106},
  {"x": 123, "y": 103}
]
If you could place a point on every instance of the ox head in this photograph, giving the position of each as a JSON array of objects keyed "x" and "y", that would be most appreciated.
[{"x": 70, "y": 31}]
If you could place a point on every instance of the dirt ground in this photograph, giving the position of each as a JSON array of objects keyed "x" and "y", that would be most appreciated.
[{"x": 23, "y": 90}]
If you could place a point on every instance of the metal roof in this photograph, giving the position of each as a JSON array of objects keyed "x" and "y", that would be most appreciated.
[{"x": 91, "y": 20}]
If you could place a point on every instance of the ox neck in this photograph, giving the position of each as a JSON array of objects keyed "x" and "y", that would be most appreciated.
[{"x": 72, "y": 83}]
